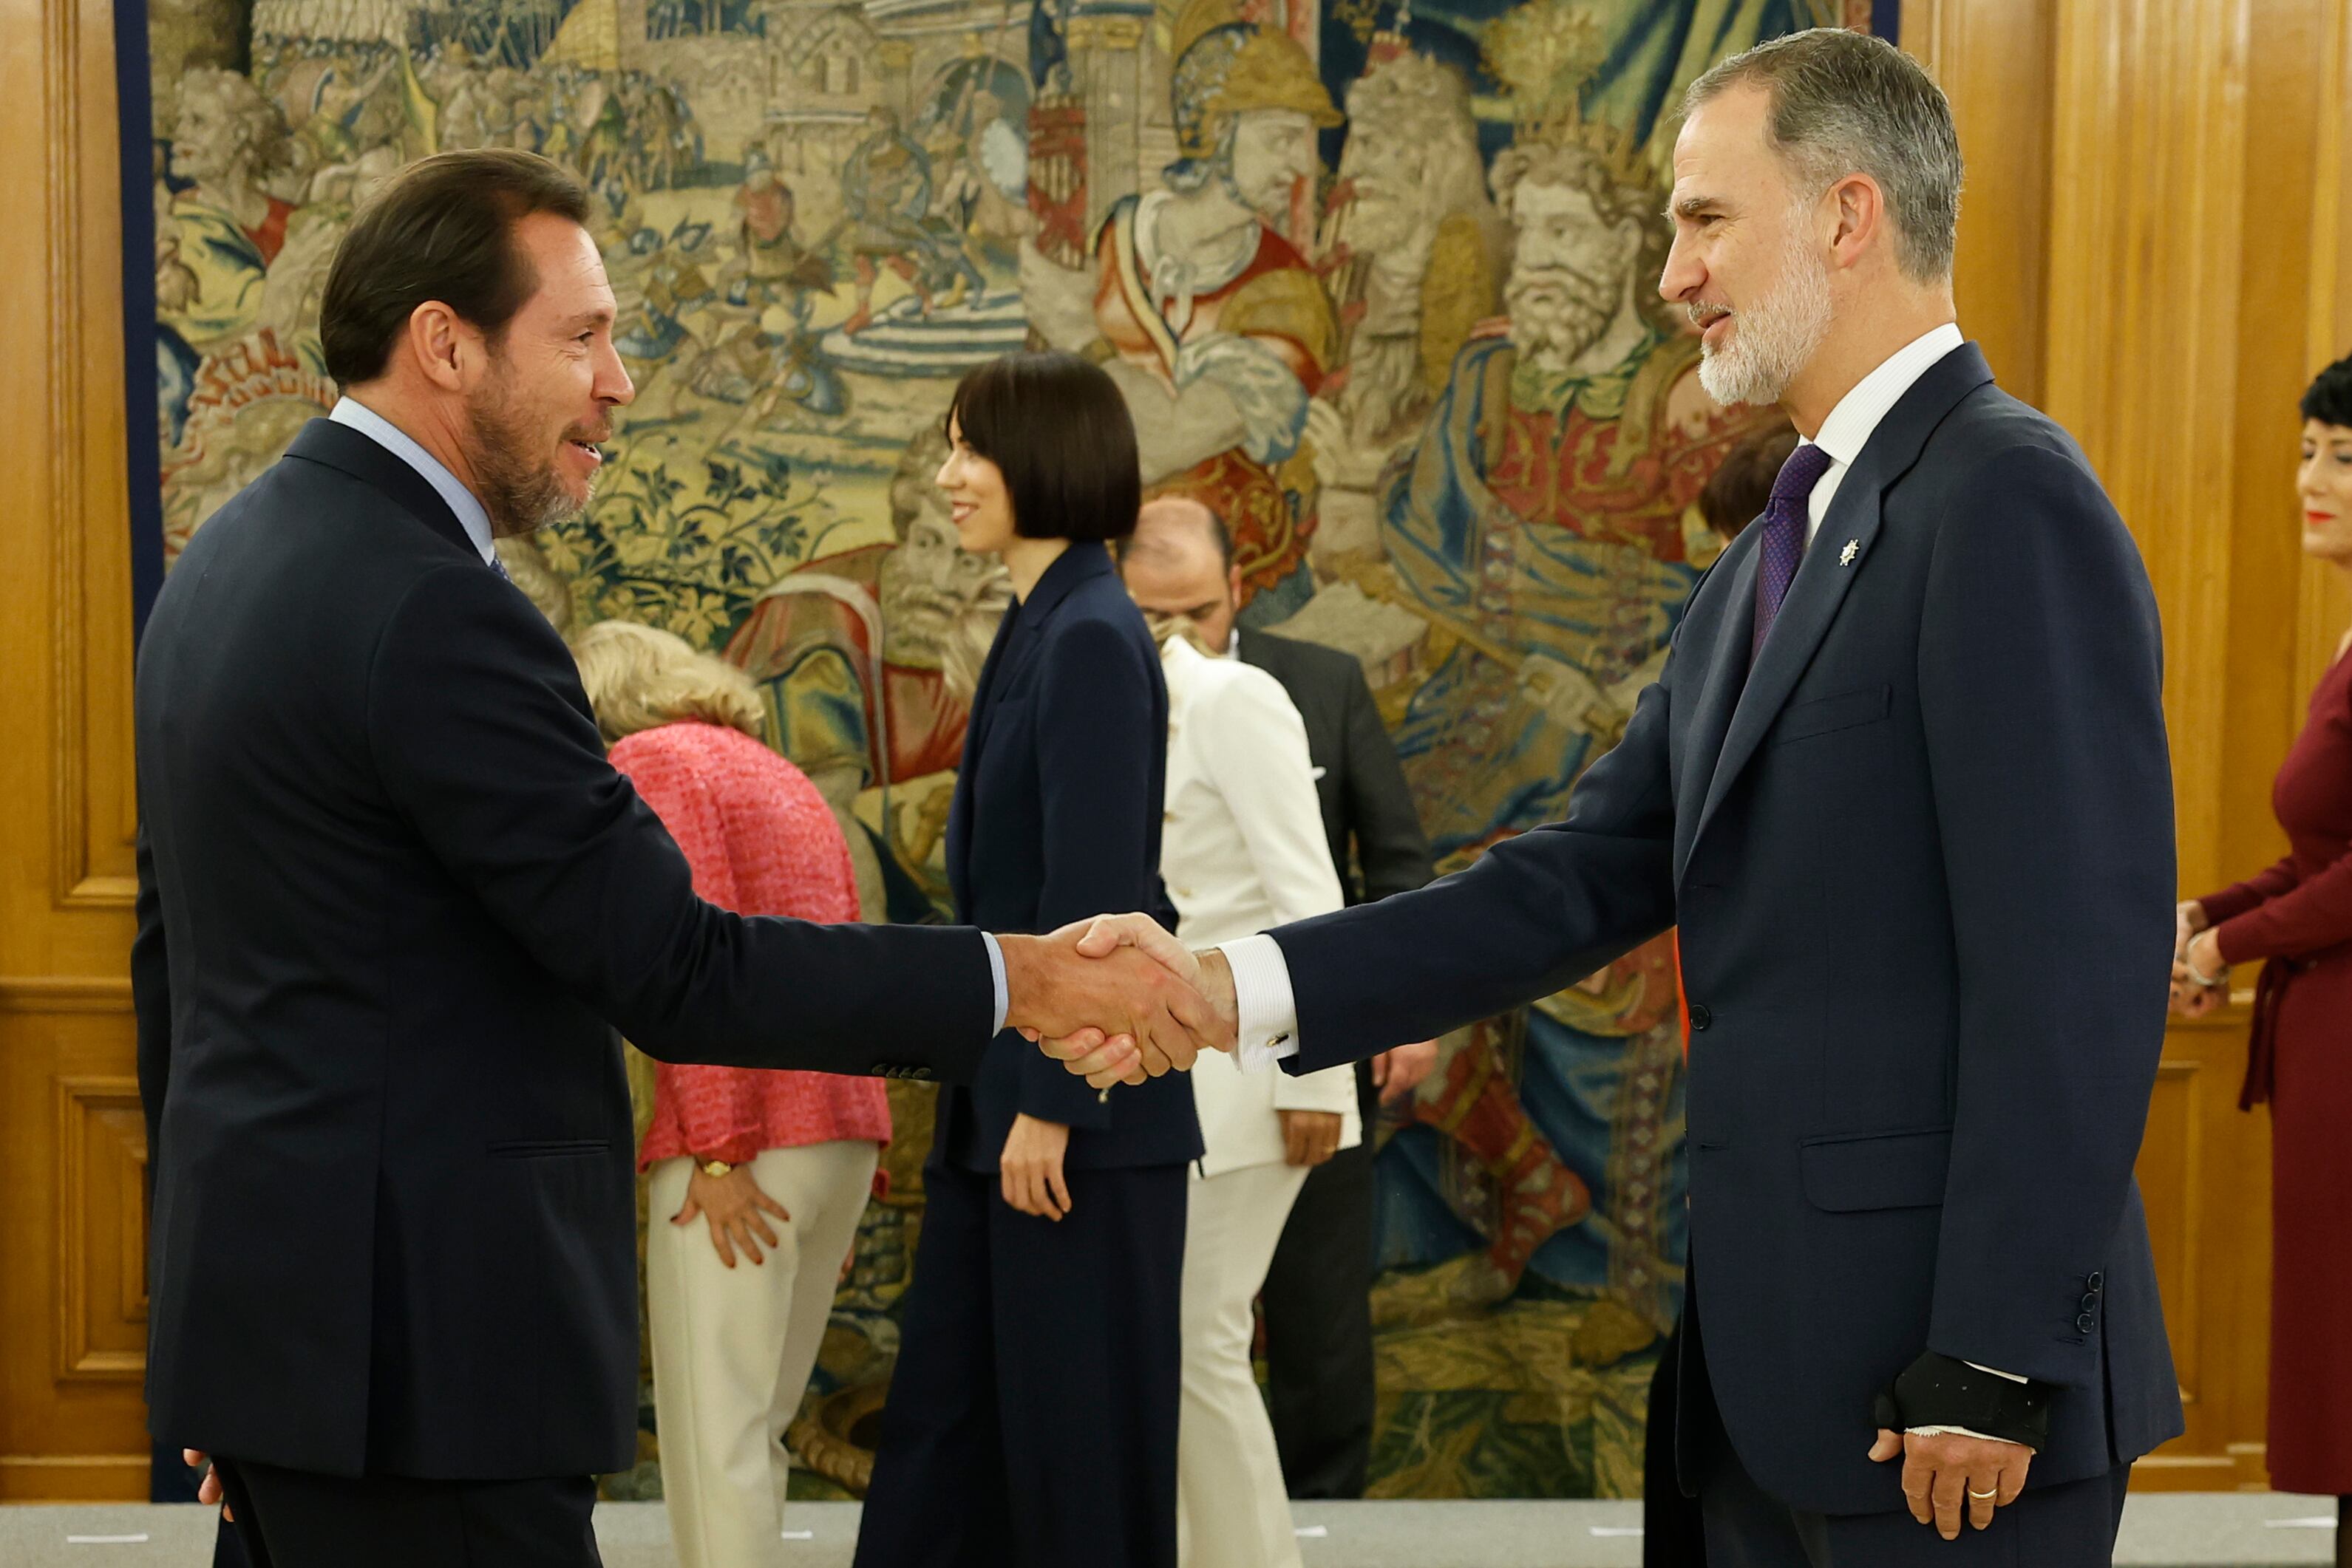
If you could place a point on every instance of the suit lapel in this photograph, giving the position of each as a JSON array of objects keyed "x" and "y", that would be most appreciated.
[
  {"x": 1837, "y": 556},
  {"x": 1719, "y": 693},
  {"x": 983, "y": 709},
  {"x": 1017, "y": 639}
]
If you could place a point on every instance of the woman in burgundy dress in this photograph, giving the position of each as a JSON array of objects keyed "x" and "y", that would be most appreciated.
[{"x": 2297, "y": 918}]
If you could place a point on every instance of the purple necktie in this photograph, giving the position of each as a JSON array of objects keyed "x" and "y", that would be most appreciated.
[{"x": 1784, "y": 536}]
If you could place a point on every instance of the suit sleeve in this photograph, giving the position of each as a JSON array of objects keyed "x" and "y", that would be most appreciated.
[
  {"x": 2040, "y": 688},
  {"x": 482, "y": 736},
  {"x": 1252, "y": 745},
  {"x": 150, "y": 999},
  {"x": 1391, "y": 850},
  {"x": 2283, "y": 914},
  {"x": 1535, "y": 913},
  {"x": 2315, "y": 912},
  {"x": 1097, "y": 744},
  {"x": 2259, "y": 888}
]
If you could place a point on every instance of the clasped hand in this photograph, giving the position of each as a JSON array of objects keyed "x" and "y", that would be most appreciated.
[{"x": 1117, "y": 999}]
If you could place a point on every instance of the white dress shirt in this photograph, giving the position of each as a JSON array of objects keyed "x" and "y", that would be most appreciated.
[
  {"x": 1849, "y": 426},
  {"x": 1242, "y": 848},
  {"x": 475, "y": 519}
]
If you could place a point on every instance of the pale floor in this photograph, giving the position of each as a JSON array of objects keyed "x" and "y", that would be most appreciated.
[{"x": 2188, "y": 1530}]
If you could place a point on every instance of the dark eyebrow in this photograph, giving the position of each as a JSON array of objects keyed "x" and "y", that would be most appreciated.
[
  {"x": 587, "y": 318},
  {"x": 1692, "y": 206}
]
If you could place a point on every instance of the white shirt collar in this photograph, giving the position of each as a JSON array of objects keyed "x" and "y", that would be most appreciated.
[
  {"x": 1850, "y": 424},
  {"x": 472, "y": 516}
]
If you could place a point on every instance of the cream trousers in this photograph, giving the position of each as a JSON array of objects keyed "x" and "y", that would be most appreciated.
[
  {"x": 733, "y": 1347},
  {"x": 1232, "y": 1509}
]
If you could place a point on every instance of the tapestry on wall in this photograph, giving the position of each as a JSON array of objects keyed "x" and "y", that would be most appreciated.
[{"x": 1378, "y": 281}]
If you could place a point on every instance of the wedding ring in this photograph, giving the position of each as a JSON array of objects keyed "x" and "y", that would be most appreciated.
[{"x": 1985, "y": 1496}]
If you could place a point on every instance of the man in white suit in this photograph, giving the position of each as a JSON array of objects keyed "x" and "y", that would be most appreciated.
[{"x": 1242, "y": 848}]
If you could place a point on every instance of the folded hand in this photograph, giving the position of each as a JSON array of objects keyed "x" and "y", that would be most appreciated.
[
  {"x": 1397, "y": 1071},
  {"x": 1950, "y": 1476}
]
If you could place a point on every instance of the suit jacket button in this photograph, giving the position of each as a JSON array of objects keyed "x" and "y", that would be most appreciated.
[
  {"x": 2086, "y": 1322},
  {"x": 1699, "y": 1017},
  {"x": 2096, "y": 1282},
  {"x": 2090, "y": 1303}
]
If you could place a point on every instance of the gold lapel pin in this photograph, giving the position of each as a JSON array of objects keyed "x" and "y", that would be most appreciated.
[{"x": 1853, "y": 549}]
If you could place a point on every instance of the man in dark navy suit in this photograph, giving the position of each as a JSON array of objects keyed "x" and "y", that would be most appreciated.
[
  {"x": 1904, "y": 786},
  {"x": 392, "y": 901}
]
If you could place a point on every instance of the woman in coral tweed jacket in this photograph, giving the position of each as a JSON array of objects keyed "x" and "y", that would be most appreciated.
[{"x": 758, "y": 1177}]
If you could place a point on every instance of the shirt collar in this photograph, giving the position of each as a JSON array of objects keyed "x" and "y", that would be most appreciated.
[
  {"x": 472, "y": 516},
  {"x": 1850, "y": 424}
]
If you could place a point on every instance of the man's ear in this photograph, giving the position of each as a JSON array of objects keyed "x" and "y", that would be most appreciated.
[
  {"x": 437, "y": 343},
  {"x": 1233, "y": 584}
]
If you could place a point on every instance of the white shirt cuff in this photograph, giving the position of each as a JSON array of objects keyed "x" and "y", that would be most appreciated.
[
  {"x": 996, "y": 977},
  {"x": 1262, "y": 999},
  {"x": 1958, "y": 1432}
]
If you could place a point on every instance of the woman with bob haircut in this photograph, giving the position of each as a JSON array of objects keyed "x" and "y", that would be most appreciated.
[
  {"x": 1033, "y": 1413},
  {"x": 775, "y": 1165}
]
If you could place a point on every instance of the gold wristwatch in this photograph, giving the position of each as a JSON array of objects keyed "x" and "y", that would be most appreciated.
[{"x": 714, "y": 1169}]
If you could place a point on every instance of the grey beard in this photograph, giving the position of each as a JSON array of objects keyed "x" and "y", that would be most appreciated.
[{"x": 1771, "y": 341}]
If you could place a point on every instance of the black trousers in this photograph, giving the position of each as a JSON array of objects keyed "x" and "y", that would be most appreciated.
[
  {"x": 1032, "y": 1421},
  {"x": 1317, "y": 1306},
  {"x": 1673, "y": 1535},
  {"x": 2070, "y": 1525},
  {"x": 297, "y": 1518}
]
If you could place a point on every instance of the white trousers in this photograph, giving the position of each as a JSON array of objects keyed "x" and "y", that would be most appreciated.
[
  {"x": 733, "y": 1347},
  {"x": 1232, "y": 1508}
]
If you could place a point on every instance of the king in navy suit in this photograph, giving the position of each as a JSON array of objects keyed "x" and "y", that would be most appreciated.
[{"x": 1904, "y": 786}]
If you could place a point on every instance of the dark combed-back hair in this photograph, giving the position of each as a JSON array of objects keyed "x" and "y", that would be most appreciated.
[
  {"x": 1735, "y": 492},
  {"x": 2328, "y": 398},
  {"x": 442, "y": 229},
  {"x": 1056, "y": 428}
]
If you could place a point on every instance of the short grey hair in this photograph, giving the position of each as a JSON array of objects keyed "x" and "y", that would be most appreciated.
[{"x": 1845, "y": 103}]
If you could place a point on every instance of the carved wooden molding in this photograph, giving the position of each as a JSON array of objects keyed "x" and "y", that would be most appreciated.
[
  {"x": 90, "y": 1207},
  {"x": 63, "y": 994},
  {"x": 81, "y": 281}
]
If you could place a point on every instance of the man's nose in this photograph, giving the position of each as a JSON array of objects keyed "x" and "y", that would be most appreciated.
[{"x": 1682, "y": 275}]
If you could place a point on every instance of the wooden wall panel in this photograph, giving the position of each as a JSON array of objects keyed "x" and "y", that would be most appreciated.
[
  {"x": 72, "y": 1308},
  {"x": 2325, "y": 607},
  {"x": 1998, "y": 63},
  {"x": 2144, "y": 266},
  {"x": 101, "y": 1257}
]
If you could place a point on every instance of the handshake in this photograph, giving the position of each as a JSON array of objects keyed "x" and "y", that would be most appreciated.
[{"x": 1117, "y": 999}]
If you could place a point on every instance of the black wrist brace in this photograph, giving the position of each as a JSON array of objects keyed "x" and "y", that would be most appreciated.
[{"x": 1938, "y": 1391}]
